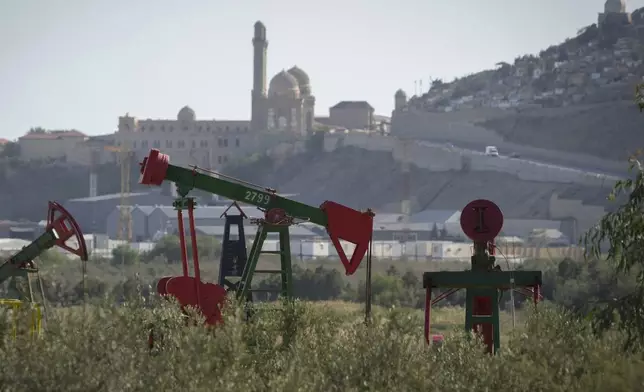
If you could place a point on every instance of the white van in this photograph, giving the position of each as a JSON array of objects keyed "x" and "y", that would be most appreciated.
[{"x": 491, "y": 151}]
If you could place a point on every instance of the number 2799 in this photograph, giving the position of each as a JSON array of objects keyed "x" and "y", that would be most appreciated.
[{"x": 257, "y": 197}]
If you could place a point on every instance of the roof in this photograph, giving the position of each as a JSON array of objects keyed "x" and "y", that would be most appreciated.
[
  {"x": 52, "y": 135},
  {"x": 4, "y": 141},
  {"x": 12, "y": 244},
  {"x": 110, "y": 196},
  {"x": 208, "y": 212},
  {"x": 294, "y": 231},
  {"x": 435, "y": 216},
  {"x": 404, "y": 226},
  {"x": 388, "y": 218},
  {"x": 353, "y": 105}
]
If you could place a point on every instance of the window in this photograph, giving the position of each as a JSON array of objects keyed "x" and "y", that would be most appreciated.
[
  {"x": 218, "y": 129},
  {"x": 225, "y": 158},
  {"x": 134, "y": 145},
  {"x": 168, "y": 144},
  {"x": 181, "y": 144},
  {"x": 219, "y": 159},
  {"x": 142, "y": 128},
  {"x": 157, "y": 144},
  {"x": 237, "y": 142},
  {"x": 227, "y": 128},
  {"x": 163, "y": 127},
  {"x": 220, "y": 142},
  {"x": 185, "y": 128},
  {"x": 294, "y": 117},
  {"x": 171, "y": 128},
  {"x": 203, "y": 144},
  {"x": 144, "y": 144},
  {"x": 151, "y": 127},
  {"x": 225, "y": 142},
  {"x": 194, "y": 144}
]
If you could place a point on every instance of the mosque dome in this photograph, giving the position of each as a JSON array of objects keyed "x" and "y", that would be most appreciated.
[
  {"x": 284, "y": 84},
  {"x": 303, "y": 81},
  {"x": 186, "y": 114}
]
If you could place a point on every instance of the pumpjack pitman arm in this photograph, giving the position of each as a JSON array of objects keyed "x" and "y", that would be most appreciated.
[
  {"x": 341, "y": 222},
  {"x": 61, "y": 227}
]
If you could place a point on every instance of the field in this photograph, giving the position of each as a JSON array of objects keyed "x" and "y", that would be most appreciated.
[
  {"x": 316, "y": 345},
  {"x": 323, "y": 346}
]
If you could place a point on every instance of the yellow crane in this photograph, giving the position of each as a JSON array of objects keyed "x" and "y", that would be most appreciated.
[{"x": 125, "y": 218}]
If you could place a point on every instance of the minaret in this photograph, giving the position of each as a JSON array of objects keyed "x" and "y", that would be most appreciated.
[{"x": 259, "y": 113}]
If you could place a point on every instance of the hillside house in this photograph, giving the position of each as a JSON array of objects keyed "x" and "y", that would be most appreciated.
[{"x": 49, "y": 145}]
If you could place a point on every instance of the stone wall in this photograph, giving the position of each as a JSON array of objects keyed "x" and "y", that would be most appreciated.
[
  {"x": 440, "y": 158},
  {"x": 460, "y": 128},
  {"x": 583, "y": 216}
]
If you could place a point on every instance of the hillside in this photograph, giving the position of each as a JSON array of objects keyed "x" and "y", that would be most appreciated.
[
  {"x": 364, "y": 179},
  {"x": 575, "y": 96},
  {"x": 28, "y": 186}
]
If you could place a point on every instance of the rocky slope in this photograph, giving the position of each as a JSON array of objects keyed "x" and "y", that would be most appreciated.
[
  {"x": 576, "y": 96},
  {"x": 364, "y": 179},
  {"x": 607, "y": 130},
  {"x": 28, "y": 186}
]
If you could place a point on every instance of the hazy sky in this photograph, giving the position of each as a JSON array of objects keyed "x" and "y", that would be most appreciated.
[{"x": 82, "y": 63}]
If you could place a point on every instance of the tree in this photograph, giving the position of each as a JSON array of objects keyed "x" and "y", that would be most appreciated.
[
  {"x": 37, "y": 130},
  {"x": 169, "y": 248},
  {"x": 124, "y": 254},
  {"x": 504, "y": 69},
  {"x": 392, "y": 271},
  {"x": 10, "y": 150},
  {"x": 621, "y": 235},
  {"x": 434, "y": 233}
]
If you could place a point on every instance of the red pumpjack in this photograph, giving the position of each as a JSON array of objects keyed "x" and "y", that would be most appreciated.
[{"x": 341, "y": 223}]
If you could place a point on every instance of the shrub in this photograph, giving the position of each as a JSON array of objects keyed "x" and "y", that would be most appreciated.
[{"x": 302, "y": 347}]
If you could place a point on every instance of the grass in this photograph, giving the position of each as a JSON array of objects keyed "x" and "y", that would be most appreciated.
[{"x": 321, "y": 346}]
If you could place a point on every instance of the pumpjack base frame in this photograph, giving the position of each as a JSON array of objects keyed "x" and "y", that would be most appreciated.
[
  {"x": 285, "y": 272},
  {"x": 502, "y": 280},
  {"x": 482, "y": 299}
]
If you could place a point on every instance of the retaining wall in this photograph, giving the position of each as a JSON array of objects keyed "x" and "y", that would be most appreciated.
[{"x": 439, "y": 158}]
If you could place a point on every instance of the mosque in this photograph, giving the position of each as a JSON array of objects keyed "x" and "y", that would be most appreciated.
[{"x": 287, "y": 105}]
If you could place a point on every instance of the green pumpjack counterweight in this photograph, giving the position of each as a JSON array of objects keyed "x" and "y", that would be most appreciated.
[{"x": 341, "y": 223}]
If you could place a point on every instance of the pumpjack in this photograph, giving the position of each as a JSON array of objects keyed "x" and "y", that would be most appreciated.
[
  {"x": 60, "y": 229},
  {"x": 484, "y": 283},
  {"x": 341, "y": 222}
]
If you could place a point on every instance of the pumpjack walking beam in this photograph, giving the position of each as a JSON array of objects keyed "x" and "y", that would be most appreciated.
[{"x": 341, "y": 222}]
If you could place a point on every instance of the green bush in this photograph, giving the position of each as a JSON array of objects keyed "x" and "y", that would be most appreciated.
[{"x": 302, "y": 347}]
